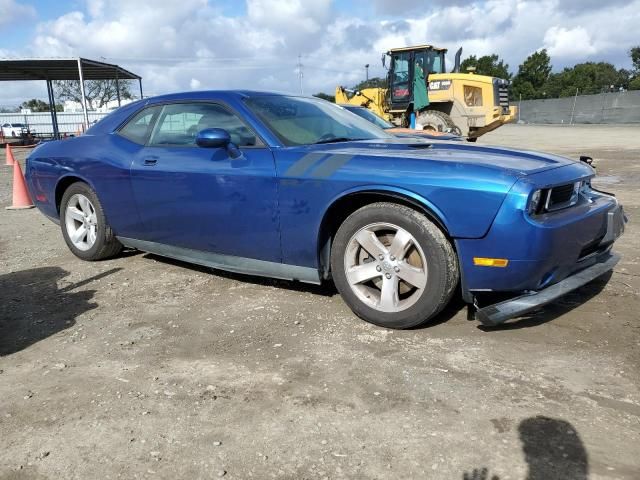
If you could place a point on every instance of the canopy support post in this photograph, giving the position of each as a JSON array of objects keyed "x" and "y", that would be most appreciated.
[
  {"x": 53, "y": 110},
  {"x": 140, "y": 83},
  {"x": 118, "y": 89},
  {"x": 84, "y": 98}
]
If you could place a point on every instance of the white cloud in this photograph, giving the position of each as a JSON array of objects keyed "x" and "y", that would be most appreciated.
[
  {"x": 12, "y": 11},
  {"x": 175, "y": 45},
  {"x": 569, "y": 42}
]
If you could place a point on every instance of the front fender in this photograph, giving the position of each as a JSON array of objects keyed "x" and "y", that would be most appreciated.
[{"x": 432, "y": 210}]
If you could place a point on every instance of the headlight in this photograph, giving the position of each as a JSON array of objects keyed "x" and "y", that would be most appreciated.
[
  {"x": 472, "y": 96},
  {"x": 534, "y": 202}
]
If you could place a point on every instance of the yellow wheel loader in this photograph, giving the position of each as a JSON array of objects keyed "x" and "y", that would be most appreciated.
[{"x": 462, "y": 103}]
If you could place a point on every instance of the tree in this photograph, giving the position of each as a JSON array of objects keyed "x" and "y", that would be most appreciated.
[
  {"x": 532, "y": 74},
  {"x": 324, "y": 96},
  {"x": 375, "y": 82},
  {"x": 634, "y": 53},
  {"x": 97, "y": 92},
  {"x": 634, "y": 83},
  {"x": 587, "y": 78},
  {"x": 490, "y": 65},
  {"x": 37, "y": 105}
]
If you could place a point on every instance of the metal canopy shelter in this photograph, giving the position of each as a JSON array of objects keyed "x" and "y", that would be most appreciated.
[{"x": 50, "y": 69}]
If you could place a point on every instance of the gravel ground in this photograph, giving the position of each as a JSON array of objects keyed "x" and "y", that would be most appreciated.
[{"x": 140, "y": 367}]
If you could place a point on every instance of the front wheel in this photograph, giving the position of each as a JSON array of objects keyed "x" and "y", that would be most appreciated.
[
  {"x": 84, "y": 225},
  {"x": 393, "y": 266},
  {"x": 436, "y": 121}
]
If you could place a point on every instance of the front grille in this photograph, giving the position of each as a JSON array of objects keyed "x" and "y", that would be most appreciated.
[
  {"x": 562, "y": 196},
  {"x": 503, "y": 96}
]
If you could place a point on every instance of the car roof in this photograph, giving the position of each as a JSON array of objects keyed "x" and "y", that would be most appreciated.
[
  {"x": 222, "y": 94},
  {"x": 116, "y": 118}
]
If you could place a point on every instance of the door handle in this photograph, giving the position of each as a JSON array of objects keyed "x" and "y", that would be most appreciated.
[{"x": 150, "y": 161}]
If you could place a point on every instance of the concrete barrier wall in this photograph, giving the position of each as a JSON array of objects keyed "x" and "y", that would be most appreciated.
[
  {"x": 41, "y": 122},
  {"x": 616, "y": 107}
]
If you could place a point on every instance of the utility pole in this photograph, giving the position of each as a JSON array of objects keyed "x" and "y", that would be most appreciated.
[
  {"x": 300, "y": 74},
  {"x": 366, "y": 68}
]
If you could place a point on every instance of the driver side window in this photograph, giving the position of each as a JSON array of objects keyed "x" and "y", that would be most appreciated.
[{"x": 179, "y": 124}]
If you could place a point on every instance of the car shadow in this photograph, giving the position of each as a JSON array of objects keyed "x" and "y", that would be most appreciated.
[
  {"x": 453, "y": 308},
  {"x": 33, "y": 306},
  {"x": 552, "y": 448},
  {"x": 326, "y": 289},
  {"x": 556, "y": 309}
]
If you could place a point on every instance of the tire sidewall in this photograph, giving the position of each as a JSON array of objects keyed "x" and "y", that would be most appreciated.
[
  {"x": 430, "y": 302},
  {"x": 84, "y": 189},
  {"x": 428, "y": 118}
]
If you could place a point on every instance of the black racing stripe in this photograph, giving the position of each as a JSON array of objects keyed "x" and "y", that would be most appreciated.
[
  {"x": 330, "y": 165},
  {"x": 302, "y": 165}
]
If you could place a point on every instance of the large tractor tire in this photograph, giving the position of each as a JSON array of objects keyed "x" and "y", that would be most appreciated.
[{"x": 437, "y": 121}]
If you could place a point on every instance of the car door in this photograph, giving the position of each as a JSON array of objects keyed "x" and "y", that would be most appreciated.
[{"x": 219, "y": 200}]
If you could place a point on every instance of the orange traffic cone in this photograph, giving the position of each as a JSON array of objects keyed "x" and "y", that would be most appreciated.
[
  {"x": 10, "y": 160},
  {"x": 21, "y": 197}
]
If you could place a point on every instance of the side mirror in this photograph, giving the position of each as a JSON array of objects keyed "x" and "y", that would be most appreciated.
[{"x": 213, "y": 138}]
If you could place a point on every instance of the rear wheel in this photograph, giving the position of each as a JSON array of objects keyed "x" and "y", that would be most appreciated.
[
  {"x": 393, "y": 266},
  {"x": 84, "y": 226},
  {"x": 436, "y": 120}
]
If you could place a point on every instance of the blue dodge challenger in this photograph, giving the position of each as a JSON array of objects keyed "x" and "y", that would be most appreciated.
[{"x": 298, "y": 188}]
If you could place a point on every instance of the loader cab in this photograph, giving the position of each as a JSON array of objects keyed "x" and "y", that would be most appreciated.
[{"x": 402, "y": 67}]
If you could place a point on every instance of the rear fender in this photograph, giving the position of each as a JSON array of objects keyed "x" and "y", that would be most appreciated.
[{"x": 64, "y": 182}]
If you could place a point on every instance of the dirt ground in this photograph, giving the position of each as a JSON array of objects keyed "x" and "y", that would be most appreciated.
[{"x": 140, "y": 367}]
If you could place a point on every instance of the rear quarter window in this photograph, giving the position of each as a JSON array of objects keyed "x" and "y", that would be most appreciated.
[{"x": 139, "y": 127}]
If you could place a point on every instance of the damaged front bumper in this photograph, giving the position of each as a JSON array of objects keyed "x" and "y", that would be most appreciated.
[{"x": 586, "y": 270}]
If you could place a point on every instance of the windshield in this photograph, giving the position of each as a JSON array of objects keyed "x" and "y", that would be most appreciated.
[
  {"x": 304, "y": 121},
  {"x": 431, "y": 61},
  {"x": 18, "y": 124},
  {"x": 370, "y": 116}
]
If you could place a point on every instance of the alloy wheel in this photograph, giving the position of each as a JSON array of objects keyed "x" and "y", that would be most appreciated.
[
  {"x": 81, "y": 222},
  {"x": 385, "y": 267}
]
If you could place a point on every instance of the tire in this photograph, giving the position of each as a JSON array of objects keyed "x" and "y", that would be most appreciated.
[
  {"x": 422, "y": 269},
  {"x": 438, "y": 121},
  {"x": 99, "y": 241}
]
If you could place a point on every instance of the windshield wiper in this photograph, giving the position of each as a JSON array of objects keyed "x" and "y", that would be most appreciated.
[{"x": 335, "y": 140}]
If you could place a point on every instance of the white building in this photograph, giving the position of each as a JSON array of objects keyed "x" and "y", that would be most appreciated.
[{"x": 76, "y": 107}]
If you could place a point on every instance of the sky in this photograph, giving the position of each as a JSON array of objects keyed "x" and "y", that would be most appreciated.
[{"x": 255, "y": 44}]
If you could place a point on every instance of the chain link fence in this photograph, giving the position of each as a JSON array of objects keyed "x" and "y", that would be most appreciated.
[{"x": 40, "y": 123}]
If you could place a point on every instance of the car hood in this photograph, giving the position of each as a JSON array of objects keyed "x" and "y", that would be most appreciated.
[
  {"x": 417, "y": 133},
  {"x": 514, "y": 161}
]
